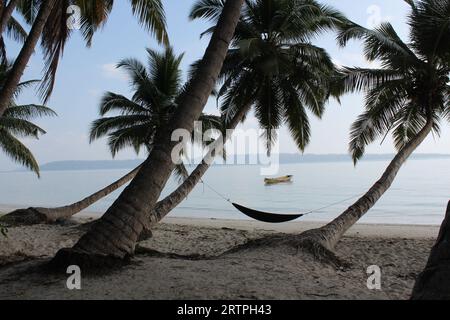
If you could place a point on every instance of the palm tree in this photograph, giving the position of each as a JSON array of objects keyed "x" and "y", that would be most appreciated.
[
  {"x": 16, "y": 123},
  {"x": 25, "y": 54},
  {"x": 9, "y": 24},
  {"x": 433, "y": 282},
  {"x": 407, "y": 96},
  {"x": 6, "y": 11},
  {"x": 115, "y": 235},
  {"x": 156, "y": 90},
  {"x": 271, "y": 67},
  {"x": 134, "y": 124},
  {"x": 49, "y": 20}
]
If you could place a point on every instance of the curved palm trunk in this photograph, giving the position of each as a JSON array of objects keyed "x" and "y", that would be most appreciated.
[
  {"x": 329, "y": 235},
  {"x": 165, "y": 206},
  {"x": 32, "y": 216},
  {"x": 6, "y": 13},
  {"x": 54, "y": 214},
  {"x": 434, "y": 282},
  {"x": 115, "y": 235},
  {"x": 25, "y": 54}
]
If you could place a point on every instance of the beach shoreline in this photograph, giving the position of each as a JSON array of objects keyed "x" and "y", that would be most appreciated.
[
  {"x": 275, "y": 271},
  {"x": 384, "y": 230}
]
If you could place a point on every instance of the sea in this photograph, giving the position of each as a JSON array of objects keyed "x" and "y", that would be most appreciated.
[{"x": 418, "y": 196}]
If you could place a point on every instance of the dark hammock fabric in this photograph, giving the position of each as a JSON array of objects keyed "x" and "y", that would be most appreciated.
[{"x": 266, "y": 216}]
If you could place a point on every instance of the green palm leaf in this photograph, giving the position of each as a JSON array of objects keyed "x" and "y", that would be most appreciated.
[
  {"x": 412, "y": 86},
  {"x": 21, "y": 128},
  {"x": 29, "y": 112},
  {"x": 94, "y": 14},
  {"x": 207, "y": 9},
  {"x": 107, "y": 125},
  {"x": 272, "y": 65},
  {"x": 15, "y": 31},
  {"x": 156, "y": 90},
  {"x": 151, "y": 15},
  {"x": 116, "y": 102},
  {"x": 15, "y": 150}
]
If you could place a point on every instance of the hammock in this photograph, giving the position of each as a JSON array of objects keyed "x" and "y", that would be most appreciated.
[
  {"x": 272, "y": 217},
  {"x": 266, "y": 216}
]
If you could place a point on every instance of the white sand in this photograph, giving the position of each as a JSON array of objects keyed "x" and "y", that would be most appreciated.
[
  {"x": 273, "y": 272},
  {"x": 364, "y": 230}
]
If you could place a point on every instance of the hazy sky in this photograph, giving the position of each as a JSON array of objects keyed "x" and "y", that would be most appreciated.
[{"x": 84, "y": 74}]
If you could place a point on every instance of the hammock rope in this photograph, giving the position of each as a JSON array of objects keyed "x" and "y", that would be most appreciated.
[{"x": 273, "y": 217}]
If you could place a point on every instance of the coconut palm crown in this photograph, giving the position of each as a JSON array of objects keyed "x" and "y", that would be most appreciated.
[
  {"x": 16, "y": 124},
  {"x": 93, "y": 15},
  {"x": 137, "y": 121},
  {"x": 412, "y": 85},
  {"x": 273, "y": 66}
]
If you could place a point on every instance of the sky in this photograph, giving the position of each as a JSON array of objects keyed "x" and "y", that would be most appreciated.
[{"x": 85, "y": 73}]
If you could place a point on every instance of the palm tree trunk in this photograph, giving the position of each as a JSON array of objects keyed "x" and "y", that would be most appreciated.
[
  {"x": 25, "y": 54},
  {"x": 329, "y": 235},
  {"x": 114, "y": 237},
  {"x": 434, "y": 282},
  {"x": 61, "y": 213},
  {"x": 165, "y": 206},
  {"x": 37, "y": 215},
  {"x": 32, "y": 216},
  {"x": 6, "y": 14}
]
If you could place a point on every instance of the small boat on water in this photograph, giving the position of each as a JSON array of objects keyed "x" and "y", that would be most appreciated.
[{"x": 285, "y": 179}]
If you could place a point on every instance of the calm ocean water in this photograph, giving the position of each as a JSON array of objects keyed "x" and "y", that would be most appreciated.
[{"x": 418, "y": 196}]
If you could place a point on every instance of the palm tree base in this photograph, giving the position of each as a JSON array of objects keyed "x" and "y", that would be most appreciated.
[
  {"x": 315, "y": 242},
  {"x": 25, "y": 217},
  {"x": 434, "y": 282},
  {"x": 89, "y": 263},
  {"x": 310, "y": 241},
  {"x": 146, "y": 234}
]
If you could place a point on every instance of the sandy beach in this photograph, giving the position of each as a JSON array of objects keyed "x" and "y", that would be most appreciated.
[{"x": 269, "y": 272}]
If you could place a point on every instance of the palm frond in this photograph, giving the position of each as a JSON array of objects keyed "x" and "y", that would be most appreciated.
[
  {"x": 94, "y": 14},
  {"x": 297, "y": 120},
  {"x": 24, "y": 85},
  {"x": 54, "y": 38},
  {"x": 116, "y": 102},
  {"x": 359, "y": 79},
  {"x": 134, "y": 136},
  {"x": 381, "y": 43},
  {"x": 28, "y": 9},
  {"x": 430, "y": 29},
  {"x": 164, "y": 70},
  {"x": 108, "y": 125},
  {"x": 135, "y": 69},
  {"x": 180, "y": 172},
  {"x": 269, "y": 110},
  {"x": 21, "y": 128},
  {"x": 17, "y": 151},
  {"x": 15, "y": 31},
  {"x": 207, "y": 9},
  {"x": 151, "y": 15},
  {"x": 411, "y": 3},
  {"x": 29, "y": 112},
  {"x": 383, "y": 107},
  {"x": 409, "y": 125},
  {"x": 210, "y": 125}
]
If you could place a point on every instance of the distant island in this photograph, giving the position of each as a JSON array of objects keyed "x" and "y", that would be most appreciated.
[{"x": 285, "y": 158}]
